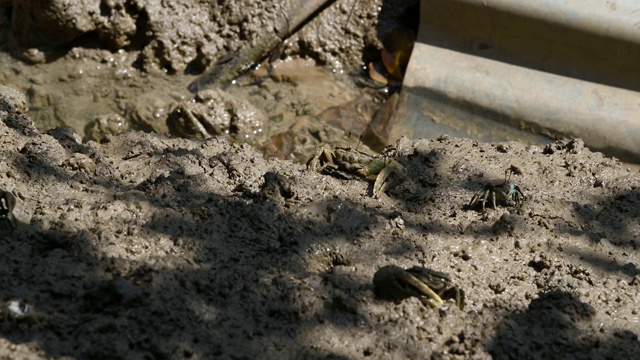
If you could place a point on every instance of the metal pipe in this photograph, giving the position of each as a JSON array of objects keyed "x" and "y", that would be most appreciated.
[{"x": 561, "y": 68}]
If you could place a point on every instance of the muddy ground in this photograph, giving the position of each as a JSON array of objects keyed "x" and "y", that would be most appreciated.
[
  {"x": 139, "y": 245},
  {"x": 142, "y": 246}
]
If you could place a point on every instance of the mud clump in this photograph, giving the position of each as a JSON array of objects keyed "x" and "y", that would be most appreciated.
[
  {"x": 186, "y": 36},
  {"x": 215, "y": 112}
]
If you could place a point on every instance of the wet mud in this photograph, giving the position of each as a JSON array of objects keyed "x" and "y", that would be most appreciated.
[
  {"x": 143, "y": 246},
  {"x": 126, "y": 244}
]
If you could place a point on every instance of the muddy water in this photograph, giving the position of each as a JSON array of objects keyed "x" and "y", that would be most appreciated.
[
  {"x": 97, "y": 92},
  {"x": 85, "y": 85},
  {"x": 88, "y": 85}
]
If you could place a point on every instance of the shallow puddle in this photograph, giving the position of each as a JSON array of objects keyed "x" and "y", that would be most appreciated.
[{"x": 97, "y": 92}]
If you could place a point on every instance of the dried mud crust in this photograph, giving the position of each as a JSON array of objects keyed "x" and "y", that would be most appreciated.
[{"x": 142, "y": 246}]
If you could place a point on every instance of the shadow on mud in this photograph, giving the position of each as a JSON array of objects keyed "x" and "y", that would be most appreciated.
[
  {"x": 242, "y": 264},
  {"x": 610, "y": 221},
  {"x": 614, "y": 218},
  {"x": 553, "y": 327},
  {"x": 243, "y": 275}
]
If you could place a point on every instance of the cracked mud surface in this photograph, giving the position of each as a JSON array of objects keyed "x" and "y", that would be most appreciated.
[{"x": 142, "y": 246}]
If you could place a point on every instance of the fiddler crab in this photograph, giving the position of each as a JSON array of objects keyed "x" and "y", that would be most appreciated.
[
  {"x": 382, "y": 169},
  {"x": 507, "y": 192},
  {"x": 7, "y": 203},
  {"x": 430, "y": 286},
  {"x": 14, "y": 310}
]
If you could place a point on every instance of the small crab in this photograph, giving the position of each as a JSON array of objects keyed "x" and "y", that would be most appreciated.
[
  {"x": 7, "y": 203},
  {"x": 506, "y": 191},
  {"x": 14, "y": 310},
  {"x": 383, "y": 170},
  {"x": 430, "y": 286}
]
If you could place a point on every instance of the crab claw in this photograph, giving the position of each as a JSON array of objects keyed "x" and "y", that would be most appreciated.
[
  {"x": 321, "y": 159},
  {"x": 396, "y": 283},
  {"x": 391, "y": 175}
]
